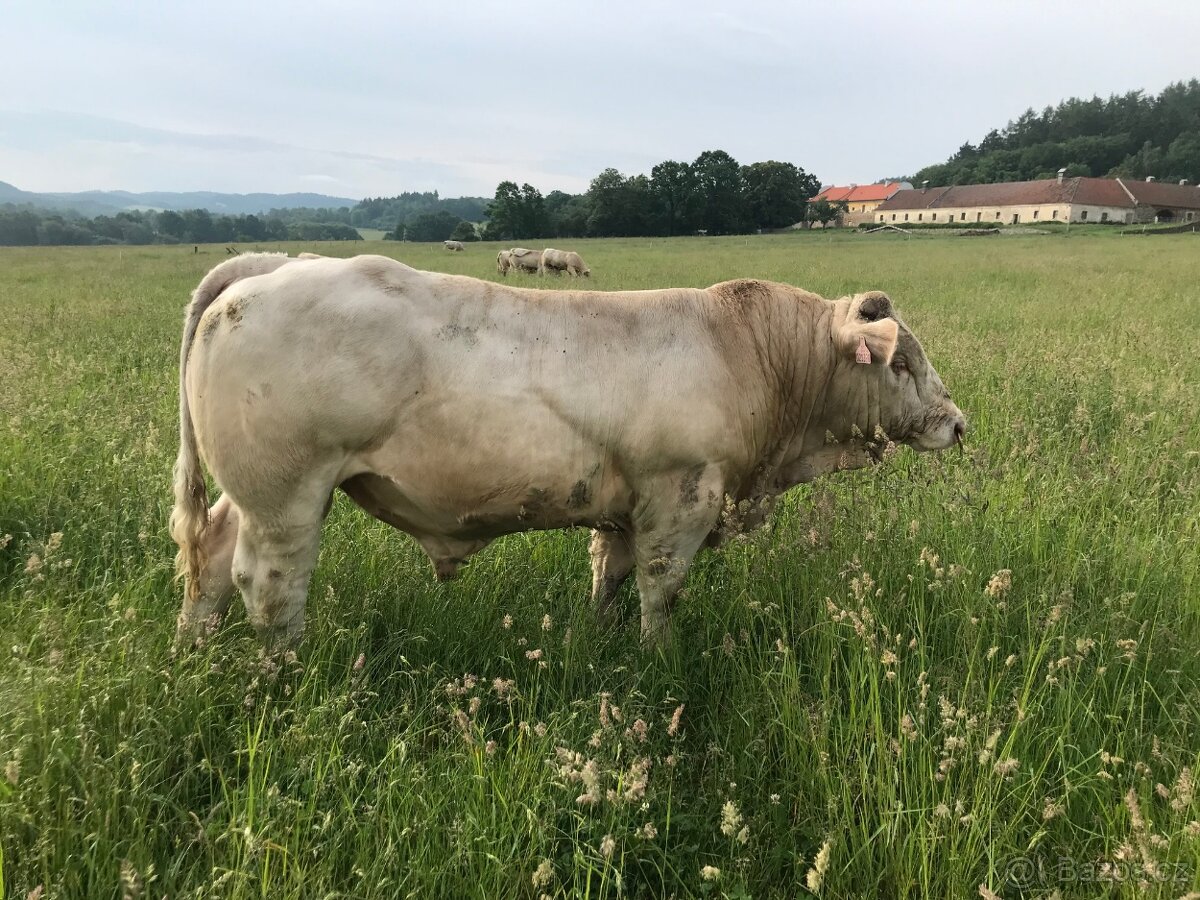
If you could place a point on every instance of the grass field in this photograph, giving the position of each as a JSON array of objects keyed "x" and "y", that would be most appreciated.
[{"x": 954, "y": 671}]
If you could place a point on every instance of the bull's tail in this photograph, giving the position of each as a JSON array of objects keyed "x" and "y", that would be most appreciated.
[{"x": 189, "y": 518}]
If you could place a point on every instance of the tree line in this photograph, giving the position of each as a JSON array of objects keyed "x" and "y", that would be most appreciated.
[
  {"x": 1132, "y": 134},
  {"x": 713, "y": 194},
  {"x": 31, "y": 226}
]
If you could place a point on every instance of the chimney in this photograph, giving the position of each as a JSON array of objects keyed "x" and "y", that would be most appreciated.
[
  {"x": 1149, "y": 178},
  {"x": 924, "y": 185},
  {"x": 1062, "y": 174}
]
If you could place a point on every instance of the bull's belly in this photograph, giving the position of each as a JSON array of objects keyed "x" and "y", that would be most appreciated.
[{"x": 462, "y": 506}]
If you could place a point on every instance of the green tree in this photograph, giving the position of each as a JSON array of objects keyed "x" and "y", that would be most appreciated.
[
  {"x": 431, "y": 226},
  {"x": 777, "y": 193},
  {"x": 825, "y": 212},
  {"x": 676, "y": 190},
  {"x": 464, "y": 231},
  {"x": 721, "y": 189}
]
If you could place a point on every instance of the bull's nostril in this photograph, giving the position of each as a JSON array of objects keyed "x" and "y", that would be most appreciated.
[{"x": 960, "y": 428}]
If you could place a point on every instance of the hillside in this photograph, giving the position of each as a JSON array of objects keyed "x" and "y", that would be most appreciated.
[
  {"x": 1132, "y": 134},
  {"x": 93, "y": 203}
]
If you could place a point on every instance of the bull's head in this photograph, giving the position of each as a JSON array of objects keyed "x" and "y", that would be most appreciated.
[{"x": 890, "y": 384}]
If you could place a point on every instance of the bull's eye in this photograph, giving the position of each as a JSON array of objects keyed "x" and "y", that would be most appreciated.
[{"x": 899, "y": 366}]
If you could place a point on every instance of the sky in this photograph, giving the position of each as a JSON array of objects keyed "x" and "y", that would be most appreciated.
[{"x": 364, "y": 98}]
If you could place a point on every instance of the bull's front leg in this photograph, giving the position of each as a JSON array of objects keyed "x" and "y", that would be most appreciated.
[
  {"x": 671, "y": 524},
  {"x": 206, "y": 602},
  {"x": 612, "y": 561}
]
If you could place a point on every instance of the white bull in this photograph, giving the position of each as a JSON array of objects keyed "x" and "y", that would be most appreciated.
[{"x": 460, "y": 410}]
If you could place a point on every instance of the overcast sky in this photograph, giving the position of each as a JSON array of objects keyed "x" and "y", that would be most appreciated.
[{"x": 364, "y": 98}]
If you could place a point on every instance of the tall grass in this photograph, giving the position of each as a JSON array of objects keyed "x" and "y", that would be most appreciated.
[{"x": 956, "y": 675}]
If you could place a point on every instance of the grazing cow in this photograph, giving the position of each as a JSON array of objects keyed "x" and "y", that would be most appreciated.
[
  {"x": 525, "y": 260},
  {"x": 504, "y": 262},
  {"x": 460, "y": 410},
  {"x": 453, "y": 245},
  {"x": 563, "y": 261}
]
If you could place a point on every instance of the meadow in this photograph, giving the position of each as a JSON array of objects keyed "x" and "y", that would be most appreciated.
[{"x": 954, "y": 676}]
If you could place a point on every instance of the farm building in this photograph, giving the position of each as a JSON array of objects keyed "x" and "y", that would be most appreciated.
[
  {"x": 861, "y": 199},
  {"x": 1048, "y": 200}
]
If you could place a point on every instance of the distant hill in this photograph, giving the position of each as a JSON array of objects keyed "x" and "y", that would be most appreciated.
[
  {"x": 96, "y": 203},
  {"x": 1131, "y": 134}
]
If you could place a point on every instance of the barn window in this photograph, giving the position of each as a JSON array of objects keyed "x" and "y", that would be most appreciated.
[
  {"x": 1035, "y": 213},
  {"x": 1190, "y": 216},
  {"x": 1055, "y": 214},
  {"x": 1103, "y": 217},
  {"x": 962, "y": 217},
  {"x": 906, "y": 217},
  {"x": 893, "y": 217},
  {"x": 881, "y": 217},
  {"x": 978, "y": 217},
  {"x": 920, "y": 216},
  {"x": 935, "y": 217},
  {"x": 1083, "y": 216},
  {"x": 997, "y": 215}
]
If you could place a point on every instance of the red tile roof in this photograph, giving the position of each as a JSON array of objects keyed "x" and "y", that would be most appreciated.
[
  {"x": 1163, "y": 193},
  {"x": 858, "y": 193}
]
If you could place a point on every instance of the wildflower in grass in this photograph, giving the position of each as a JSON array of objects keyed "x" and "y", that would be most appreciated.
[
  {"x": 731, "y": 819},
  {"x": 987, "y": 893},
  {"x": 908, "y": 727},
  {"x": 616, "y": 714},
  {"x": 33, "y": 565},
  {"x": 636, "y": 780},
  {"x": 1052, "y": 809},
  {"x": 710, "y": 873},
  {"x": 1000, "y": 584},
  {"x": 1012, "y": 658},
  {"x": 546, "y": 623},
  {"x": 989, "y": 747},
  {"x": 543, "y": 875},
  {"x": 941, "y": 811},
  {"x": 604, "y": 711},
  {"x": 506, "y": 622},
  {"x": 639, "y": 731},
  {"x": 676, "y": 717},
  {"x": 131, "y": 881},
  {"x": 1184, "y": 791},
  {"x": 359, "y": 663},
  {"x": 5, "y": 541},
  {"x": 54, "y": 542},
  {"x": 1128, "y": 648},
  {"x": 1192, "y": 829},
  {"x": 774, "y": 798},
  {"x": 816, "y": 875},
  {"x": 596, "y": 739},
  {"x": 607, "y": 846},
  {"x": 12, "y": 771},
  {"x": 504, "y": 688},
  {"x": 533, "y": 655},
  {"x": 1006, "y": 767},
  {"x": 490, "y": 748},
  {"x": 913, "y": 527},
  {"x": 727, "y": 644},
  {"x": 991, "y": 653},
  {"x": 648, "y": 831},
  {"x": 473, "y": 706},
  {"x": 888, "y": 658}
]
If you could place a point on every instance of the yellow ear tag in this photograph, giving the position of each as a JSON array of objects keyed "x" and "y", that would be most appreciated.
[{"x": 862, "y": 354}]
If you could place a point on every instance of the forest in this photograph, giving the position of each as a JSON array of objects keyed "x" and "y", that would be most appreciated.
[{"x": 1132, "y": 134}]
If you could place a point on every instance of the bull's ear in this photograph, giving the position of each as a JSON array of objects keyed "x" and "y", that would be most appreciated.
[{"x": 866, "y": 332}]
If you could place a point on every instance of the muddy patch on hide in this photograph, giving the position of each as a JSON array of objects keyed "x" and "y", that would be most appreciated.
[
  {"x": 536, "y": 505},
  {"x": 454, "y": 332},
  {"x": 581, "y": 495},
  {"x": 689, "y": 487}
]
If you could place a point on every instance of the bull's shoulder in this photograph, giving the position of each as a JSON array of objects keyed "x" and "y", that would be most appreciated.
[{"x": 745, "y": 295}]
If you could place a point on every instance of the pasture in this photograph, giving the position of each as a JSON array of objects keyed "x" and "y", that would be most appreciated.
[{"x": 954, "y": 671}]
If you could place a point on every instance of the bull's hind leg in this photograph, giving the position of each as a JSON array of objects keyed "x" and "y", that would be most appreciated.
[
  {"x": 204, "y": 607},
  {"x": 275, "y": 556},
  {"x": 612, "y": 561}
]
